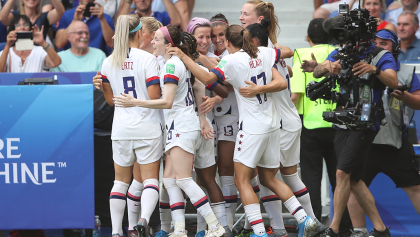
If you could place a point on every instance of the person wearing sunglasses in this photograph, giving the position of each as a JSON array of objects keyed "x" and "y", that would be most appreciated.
[{"x": 79, "y": 57}]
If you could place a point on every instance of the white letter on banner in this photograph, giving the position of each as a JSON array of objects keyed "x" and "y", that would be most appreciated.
[
  {"x": 25, "y": 170},
  {"x": 45, "y": 172},
  {"x": 1, "y": 147},
  {"x": 10, "y": 147},
  {"x": 6, "y": 173},
  {"x": 15, "y": 173}
]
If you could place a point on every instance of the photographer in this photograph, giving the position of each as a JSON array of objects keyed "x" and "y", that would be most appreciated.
[
  {"x": 352, "y": 144},
  {"x": 391, "y": 152},
  {"x": 32, "y": 60}
]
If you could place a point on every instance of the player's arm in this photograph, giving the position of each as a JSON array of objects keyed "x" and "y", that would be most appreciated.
[
  {"x": 199, "y": 94},
  {"x": 108, "y": 93},
  {"x": 286, "y": 52},
  {"x": 277, "y": 84},
  {"x": 166, "y": 102},
  {"x": 206, "y": 61},
  {"x": 154, "y": 91},
  {"x": 203, "y": 76},
  {"x": 221, "y": 90}
]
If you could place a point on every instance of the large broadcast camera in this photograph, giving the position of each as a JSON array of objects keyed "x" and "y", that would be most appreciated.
[{"x": 353, "y": 32}]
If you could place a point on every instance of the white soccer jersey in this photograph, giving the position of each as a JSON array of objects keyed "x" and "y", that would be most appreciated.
[
  {"x": 138, "y": 71},
  {"x": 182, "y": 115},
  {"x": 257, "y": 114}
]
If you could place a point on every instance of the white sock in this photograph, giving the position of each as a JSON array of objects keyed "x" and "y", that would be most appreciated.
[
  {"x": 362, "y": 229},
  {"x": 230, "y": 194},
  {"x": 176, "y": 200},
  {"x": 294, "y": 207},
  {"x": 255, "y": 183},
  {"x": 117, "y": 201},
  {"x": 253, "y": 214},
  {"x": 273, "y": 207},
  {"x": 201, "y": 222},
  {"x": 164, "y": 210},
  {"x": 220, "y": 212},
  {"x": 150, "y": 197},
  {"x": 300, "y": 191},
  {"x": 199, "y": 200},
  {"x": 133, "y": 203}
]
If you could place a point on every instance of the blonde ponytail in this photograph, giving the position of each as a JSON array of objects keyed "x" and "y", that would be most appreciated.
[
  {"x": 125, "y": 24},
  {"x": 266, "y": 9}
]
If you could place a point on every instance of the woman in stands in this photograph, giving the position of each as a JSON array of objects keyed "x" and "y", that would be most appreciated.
[
  {"x": 136, "y": 132},
  {"x": 183, "y": 131},
  {"x": 32, "y": 9},
  {"x": 376, "y": 8},
  {"x": 258, "y": 135},
  {"x": 33, "y": 60}
]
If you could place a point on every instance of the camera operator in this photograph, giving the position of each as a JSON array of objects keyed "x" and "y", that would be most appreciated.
[
  {"x": 391, "y": 152},
  {"x": 352, "y": 145}
]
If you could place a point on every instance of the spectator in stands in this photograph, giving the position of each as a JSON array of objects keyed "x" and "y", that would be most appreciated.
[
  {"x": 46, "y": 6},
  {"x": 376, "y": 7},
  {"x": 408, "y": 5},
  {"x": 100, "y": 24},
  {"x": 112, "y": 7},
  {"x": 32, "y": 60},
  {"x": 144, "y": 8},
  {"x": 408, "y": 25},
  {"x": 32, "y": 9},
  {"x": 180, "y": 5},
  {"x": 317, "y": 138},
  {"x": 80, "y": 57},
  {"x": 325, "y": 10}
]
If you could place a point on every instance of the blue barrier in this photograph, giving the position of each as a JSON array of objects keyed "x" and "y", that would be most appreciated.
[
  {"x": 46, "y": 157},
  {"x": 62, "y": 77}
]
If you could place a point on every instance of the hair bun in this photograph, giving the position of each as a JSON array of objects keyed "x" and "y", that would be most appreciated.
[
  {"x": 242, "y": 32},
  {"x": 265, "y": 23}
]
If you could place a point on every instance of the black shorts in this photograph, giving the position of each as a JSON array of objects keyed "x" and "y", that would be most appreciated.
[
  {"x": 352, "y": 149},
  {"x": 395, "y": 163}
]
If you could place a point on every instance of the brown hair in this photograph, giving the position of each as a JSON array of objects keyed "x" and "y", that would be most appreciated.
[
  {"x": 266, "y": 9},
  {"x": 175, "y": 34},
  {"x": 37, "y": 8},
  {"x": 381, "y": 2},
  {"x": 240, "y": 38}
]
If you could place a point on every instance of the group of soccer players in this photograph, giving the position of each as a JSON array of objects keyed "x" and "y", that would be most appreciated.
[{"x": 216, "y": 99}]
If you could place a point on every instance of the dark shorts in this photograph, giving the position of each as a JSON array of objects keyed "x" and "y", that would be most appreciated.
[
  {"x": 395, "y": 163},
  {"x": 352, "y": 150}
]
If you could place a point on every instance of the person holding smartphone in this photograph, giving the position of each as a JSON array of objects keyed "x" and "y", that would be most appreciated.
[{"x": 34, "y": 60}]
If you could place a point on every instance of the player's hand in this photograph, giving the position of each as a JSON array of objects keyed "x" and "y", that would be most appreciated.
[
  {"x": 207, "y": 105},
  {"x": 78, "y": 14},
  {"x": 97, "y": 81},
  {"x": 176, "y": 51},
  {"x": 309, "y": 65},
  {"x": 214, "y": 60},
  {"x": 97, "y": 11},
  {"x": 250, "y": 90},
  {"x": 207, "y": 130},
  {"x": 362, "y": 68},
  {"x": 334, "y": 67},
  {"x": 125, "y": 100}
]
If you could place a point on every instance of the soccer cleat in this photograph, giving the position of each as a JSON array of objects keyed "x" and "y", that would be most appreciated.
[
  {"x": 132, "y": 233},
  {"x": 263, "y": 235},
  {"x": 276, "y": 232},
  {"x": 319, "y": 226},
  {"x": 116, "y": 235},
  {"x": 228, "y": 232},
  {"x": 201, "y": 233},
  {"x": 358, "y": 233},
  {"x": 376, "y": 233},
  {"x": 219, "y": 231},
  {"x": 142, "y": 228},
  {"x": 245, "y": 233},
  {"x": 329, "y": 233},
  {"x": 306, "y": 227},
  {"x": 161, "y": 233},
  {"x": 180, "y": 234}
]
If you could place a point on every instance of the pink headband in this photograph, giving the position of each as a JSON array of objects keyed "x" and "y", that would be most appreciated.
[
  {"x": 197, "y": 22},
  {"x": 166, "y": 34},
  {"x": 220, "y": 22}
]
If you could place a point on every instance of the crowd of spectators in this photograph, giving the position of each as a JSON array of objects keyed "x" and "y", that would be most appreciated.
[{"x": 82, "y": 37}]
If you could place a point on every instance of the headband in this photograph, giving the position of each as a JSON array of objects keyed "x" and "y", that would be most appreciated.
[
  {"x": 166, "y": 34},
  {"x": 137, "y": 28},
  {"x": 220, "y": 22}
]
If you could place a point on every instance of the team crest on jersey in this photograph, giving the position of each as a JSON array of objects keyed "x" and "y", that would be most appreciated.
[
  {"x": 283, "y": 63},
  {"x": 170, "y": 68},
  {"x": 221, "y": 64}
]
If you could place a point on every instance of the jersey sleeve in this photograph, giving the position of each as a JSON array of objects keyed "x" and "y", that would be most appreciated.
[
  {"x": 152, "y": 73},
  {"x": 297, "y": 84},
  {"x": 278, "y": 54},
  {"x": 330, "y": 56},
  {"x": 415, "y": 84},
  {"x": 225, "y": 69},
  {"x": 211, "y": 86},
  {"x": 387, "y": 61},
  {"x": 172, "y": 74}
]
